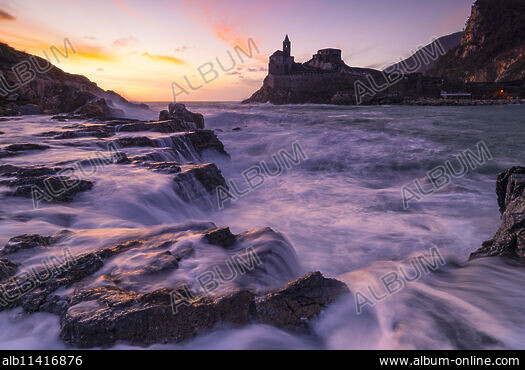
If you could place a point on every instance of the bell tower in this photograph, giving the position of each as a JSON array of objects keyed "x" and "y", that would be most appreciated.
[{"x": 287, "y": 47}]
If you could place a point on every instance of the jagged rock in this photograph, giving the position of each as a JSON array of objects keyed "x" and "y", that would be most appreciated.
[
  {"x": 221, "y": 236},
  {"x": 179, "y": 111},
  {"x": 207, "y": 175},
  {"x": 26, "y": 241},
  {"x": 99, "y": 109},
  {"x": 298, "y": 301},
  {"x": 53, "y": 91},
  {"x": 102, "y": 316},
  {"x": 206, "y": 139},
  {"x": 509, "y": 240},
  {"x": 7, "y": 269}
]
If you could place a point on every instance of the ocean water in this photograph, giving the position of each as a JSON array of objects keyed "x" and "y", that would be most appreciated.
[{"x": 341, "y": 209}]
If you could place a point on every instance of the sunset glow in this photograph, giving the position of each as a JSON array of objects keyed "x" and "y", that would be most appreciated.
[{"x": 140, "y": 48}]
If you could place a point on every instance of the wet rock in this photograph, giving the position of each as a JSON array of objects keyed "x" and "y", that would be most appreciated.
[
  {"x": 139, "y": 141},
  {"x": 207, "y": 176},
  {"x": 26, "y": 241},
  {"x": 163, "y": 127},
  {"x": 99, "y": 109},
  {"x": 7, "y": 269},
  {"x": 100, "y": 317},
  {"x": 298, "y": 301},
  {"x": 221, "y": 236},
  {"x": 206, "y": 139},
  {"x": 30, "y": 290},
  {"x": 165, "y": 167},
  {"x": 25, "y": 147},
  {"x": 509, "y": 240},
  {"x": 164, "y": 115},
  {"x": 29, "y": 109},
  {"x": 53, "y": 188},
  {"x": 2, "y": 133},
  {"x": 179, "y": 111}
]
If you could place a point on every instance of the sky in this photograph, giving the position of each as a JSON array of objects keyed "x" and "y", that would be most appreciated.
[{"x": 151, "y": 50}]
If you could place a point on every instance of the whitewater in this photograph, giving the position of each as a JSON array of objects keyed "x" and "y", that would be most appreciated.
[{"x": 341, "y": 209}]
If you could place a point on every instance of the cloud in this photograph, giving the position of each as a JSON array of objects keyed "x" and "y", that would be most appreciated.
[
  {"x": 125, "y": 41},
  {"x": 225, "y": 23},
  {"x": 163, "y": 58},
  {"x": 6, "y": 16}
]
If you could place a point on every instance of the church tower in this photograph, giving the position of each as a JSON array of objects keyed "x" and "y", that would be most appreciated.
[{"x": 287, "y": 47}]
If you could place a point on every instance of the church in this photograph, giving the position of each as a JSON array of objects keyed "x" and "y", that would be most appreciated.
[{"x": 283, "y": 63}]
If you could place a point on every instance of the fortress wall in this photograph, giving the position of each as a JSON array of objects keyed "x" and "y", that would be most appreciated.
[{"x": 326, "y": 82}]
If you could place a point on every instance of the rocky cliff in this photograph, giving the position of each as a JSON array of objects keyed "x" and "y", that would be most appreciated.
[
  {"x": 32, "y": 85},
  {"x": 509, "y": 240},
  {"x": 493, "y": 46},
  {"x": 445, "y": 43}
]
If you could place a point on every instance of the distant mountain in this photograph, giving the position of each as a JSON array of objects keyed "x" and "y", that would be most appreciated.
[
  {"x": 446, "y": 42},
  {"x": 32, "y": 85},
  {"x": 493, "y": 46}
]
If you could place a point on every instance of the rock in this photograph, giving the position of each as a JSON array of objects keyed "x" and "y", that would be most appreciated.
[
  {"x": 2, "y": 133},
  {"x": 100, "y": 317},
  {"x": 179, "y": 111},
  {"x": 509, "y": 186},
  {"x": 53, "y": 91},
  {"x": 164, "y": 115},
  {"x": 509, "y": 240},
  {"x": 207, "y": 176},
  {"x": 25, "y": 147},
  {"x": 53, "y": 188},
  {"x": 206, "y": 139},
  {"x": 221, "y": 236},
  {"x": 29, "y": 109},
  {"x": 26, "y": 241},
  {"x": 7, "y": 269},
  {"x": 99, "y": 109},
  {"x": 298, "y": 301}
]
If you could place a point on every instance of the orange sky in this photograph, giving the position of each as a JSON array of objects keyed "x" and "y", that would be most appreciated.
[{"x": 140, "y": 48}]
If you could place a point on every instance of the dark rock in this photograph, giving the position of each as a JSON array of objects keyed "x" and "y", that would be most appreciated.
[
  {"x": 138, "y": 141},
  {"x": 179, "y": 111},
  {"x": 53, "y": 91},
  {"x": 99, "y": 109},
  {"x": 54, "y": 188},
  {"x": 206, "y": 139},
  {"x": 221, "y": 236},
  {"x": 25, "y": 147},
  {"x": 7, "y": 269},
  {"x": 206, "y": 175},
  {"x": 298, "y": 301},
  {"x": 100, "y": 317},
  {"x": 164, "y": 115},
  {"x": 509, "y": 240},
  {"x": 509, "y": 185},
  {"x": 29, "y": 109},
  {"x": 25, "y": 242},
  {"x": 166, "y": 167}
]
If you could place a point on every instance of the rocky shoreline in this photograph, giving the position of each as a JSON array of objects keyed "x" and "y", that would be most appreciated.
[{"x": 100, "y": 309}]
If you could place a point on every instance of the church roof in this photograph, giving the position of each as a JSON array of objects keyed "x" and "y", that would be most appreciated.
[{"x": 286, "y": 39}]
